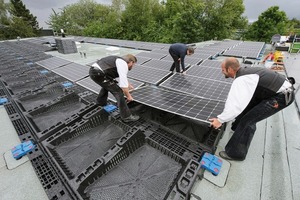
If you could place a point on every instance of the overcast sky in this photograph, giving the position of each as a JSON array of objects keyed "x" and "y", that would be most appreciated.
[{"x": 43, "y": 8}]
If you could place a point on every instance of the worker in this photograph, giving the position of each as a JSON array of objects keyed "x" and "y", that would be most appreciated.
[
  {"x": 178, "y": 51},
  {"x": 104, "y": 72},
  {"x": 255, "y": 94}
]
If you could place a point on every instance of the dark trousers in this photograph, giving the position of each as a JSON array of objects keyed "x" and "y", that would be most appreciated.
[
  {"x": 238, "y": 145},
  {"x": 109, "y": 86},
  {"x": 176, "y": 63}
]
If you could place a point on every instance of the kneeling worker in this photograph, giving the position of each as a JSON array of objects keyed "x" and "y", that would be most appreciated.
[{"x": 104, "y": 71}]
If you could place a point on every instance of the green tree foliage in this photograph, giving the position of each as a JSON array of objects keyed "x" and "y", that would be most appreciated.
[
  {"x": 76, "y": 17},
  {"x": 221, "y": 18},
  {"x": 166, "y": 21},
  {"x": 272, "y": 21},
  {"x": 19, "y": 10},
  {"x": 16, "y": 20}
]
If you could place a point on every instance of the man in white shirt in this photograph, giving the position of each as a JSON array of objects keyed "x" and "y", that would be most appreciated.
[
  {"x": 104, "y": 72},
  {"x": 255, "y": 94}
]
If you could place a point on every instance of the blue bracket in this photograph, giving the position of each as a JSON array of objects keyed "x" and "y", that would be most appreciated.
[
  {"x": 67, "y": 84},
  {"x": 44, "y": 71},
  {"x": 22, "y": 149},
  {"x": 211, "y": 163},
  {"x": 3, "y": 101},
  {"x": 110, "y": 108}
]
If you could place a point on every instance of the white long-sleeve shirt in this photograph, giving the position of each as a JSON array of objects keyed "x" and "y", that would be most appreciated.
[
  {"x": 122, "y": 69},
  {"x": 239, "y": 96}
]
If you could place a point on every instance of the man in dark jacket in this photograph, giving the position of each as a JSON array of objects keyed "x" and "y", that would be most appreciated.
[
  {"x": 104, "y": 71},
  {"x": 255, "y": 94},
  {"x": 178, "y": 51}
]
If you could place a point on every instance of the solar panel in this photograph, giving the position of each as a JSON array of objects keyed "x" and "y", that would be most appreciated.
[
  {"x": 177, "y": 103},
  {"x": 157, "y": 56},
  {"x": 142, "y": 60},
  {"x": 53, "y": 62},
  {"x": 201, "y": 87},
  {"x": 201, "y": 56},
  {"x": 208, "y": 72},
  {"x": 148, "y": 74},
  {"x": 73, "y": 71},
  {"x": 159, "y": 64},
  {"x": 212, "y": 63},
  {"x": 246, "y": 49}
]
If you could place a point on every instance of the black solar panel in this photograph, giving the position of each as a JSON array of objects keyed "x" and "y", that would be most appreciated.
[
  {"x": 208, "y": 72},
  {"x": 148, "y": 74},
  {"x": 52, "y": 63},
  {"x": 178, "y": 103},
  {"x": 157, "y": 56},
  {"x": 142, "y": 60},
  {"x": 159, "y": 64},
  {"x": 212, "y": 63},
  {"x": 201, "y": 87},
  {"x": 189, "y": 60},
  {"x": 73, "y": 71}
]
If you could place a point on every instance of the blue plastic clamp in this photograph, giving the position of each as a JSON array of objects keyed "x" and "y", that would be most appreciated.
[
  {"x": 110, "y": 108},
  {"x": 3, "y": 101},
  {"x": 211, "y": 163},
  {"x": 22, "y": 149}
]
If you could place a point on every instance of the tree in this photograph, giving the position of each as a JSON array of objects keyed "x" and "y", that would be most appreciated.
[
  {"x": 4, "y": 20},
  {"x": 76, "y": 17},
  {"x": 272, "y": 21},
  {"x": 19, "y": 10}
]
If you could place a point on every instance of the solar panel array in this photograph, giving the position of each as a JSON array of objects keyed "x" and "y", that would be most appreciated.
[
  {"x": 246, "y": 49},
  {"x": 199, "y": 95}
]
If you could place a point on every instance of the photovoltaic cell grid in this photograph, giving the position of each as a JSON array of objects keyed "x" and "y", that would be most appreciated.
[
  {"x": 157, "y": 56},
  {"x": 200, "y": 55},
  {"x": 212, "y": 63},
  {"x": 246, "y": 49},
  {"x": 208, "y": 72},
  {"x": 148, "y": 74},
  {"x": 178, "y": 103},
  {"x": 89, "y": 84},
  {"x": 201, "y": 87},
  {"x": 159, "y": 64},
  {"x": 142, "y": 60},
  {"x": 52, "y": 63},
  {"x": 73, "y": 71}
]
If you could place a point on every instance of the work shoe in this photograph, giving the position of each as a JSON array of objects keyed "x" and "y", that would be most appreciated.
[
  {"x": 224, "y": 155},
  {"x": 131, "y": 118}
]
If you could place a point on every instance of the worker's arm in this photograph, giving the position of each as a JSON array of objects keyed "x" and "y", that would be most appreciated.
[{"x": 127, "y": 94}]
